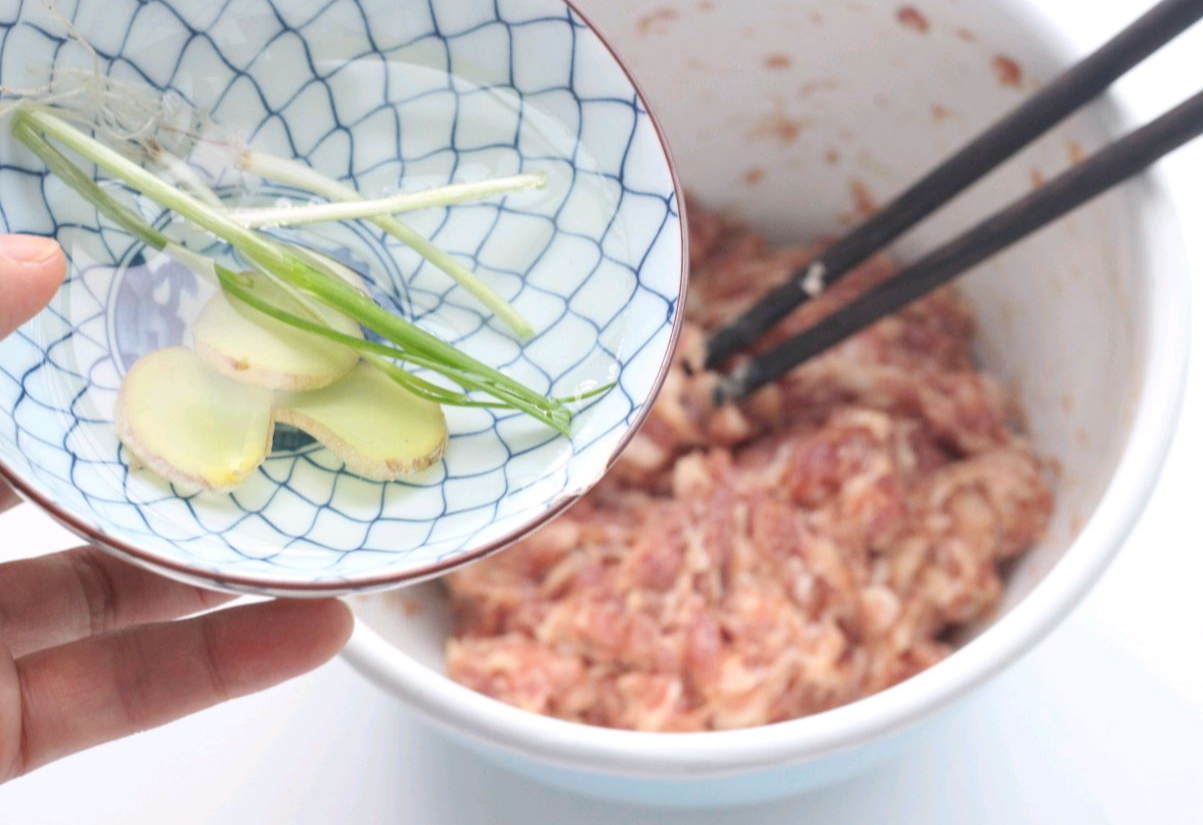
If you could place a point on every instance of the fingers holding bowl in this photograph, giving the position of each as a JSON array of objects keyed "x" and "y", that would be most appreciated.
[
  {"x": 99, "y": 689},
  {"x": 56, "y": 599},
  {"x": 31, "y": 269}
]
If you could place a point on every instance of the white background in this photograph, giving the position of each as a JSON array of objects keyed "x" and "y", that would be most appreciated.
[{"x": 1103, "y": 723}]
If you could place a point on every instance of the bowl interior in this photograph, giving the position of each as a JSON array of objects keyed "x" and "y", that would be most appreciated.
[
  {"x": 383, "y": 96},
  {"x": 807, "y": 139},
  {"x": 809, "y": 113}
]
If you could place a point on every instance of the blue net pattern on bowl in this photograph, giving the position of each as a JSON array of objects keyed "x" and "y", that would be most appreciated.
[{"x": 596, "y": 266}]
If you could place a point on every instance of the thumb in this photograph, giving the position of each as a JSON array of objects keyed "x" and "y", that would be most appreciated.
[{"x": 31, "y": 269}]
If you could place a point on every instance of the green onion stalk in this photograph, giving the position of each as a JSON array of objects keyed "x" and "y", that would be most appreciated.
[
  {"x": 299, "y": 176},
  {"x": 452, "y": 193},
  {"x": 306, "y": 273}
]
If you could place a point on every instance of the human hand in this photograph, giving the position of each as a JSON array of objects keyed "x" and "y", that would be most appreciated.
[{"x": 87, "y": 651}]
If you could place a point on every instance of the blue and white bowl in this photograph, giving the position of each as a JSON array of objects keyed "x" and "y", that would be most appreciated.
[{"x": 360, "y": 90}]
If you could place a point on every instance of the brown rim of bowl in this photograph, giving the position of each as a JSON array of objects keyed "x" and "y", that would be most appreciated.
[{"x": 245, "y": 583}]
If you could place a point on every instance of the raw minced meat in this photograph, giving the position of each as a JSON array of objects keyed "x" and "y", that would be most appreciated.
[{"x": 752, "y": 564}]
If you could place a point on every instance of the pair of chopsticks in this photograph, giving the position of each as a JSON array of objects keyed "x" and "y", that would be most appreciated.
[{"x": 1093, "y": 176}]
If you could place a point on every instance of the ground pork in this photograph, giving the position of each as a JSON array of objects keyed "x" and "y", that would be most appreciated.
[{"x": 750, "y": 564}]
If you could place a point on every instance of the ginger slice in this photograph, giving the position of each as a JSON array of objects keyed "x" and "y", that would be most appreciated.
[
  {"x": 191, "y": 425},
  {"x": 242, "y": 343},
  {"x": 378, "y": 429}
]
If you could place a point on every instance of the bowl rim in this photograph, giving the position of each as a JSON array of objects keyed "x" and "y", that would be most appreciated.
[
  {"x": 1158, "y": 248},
  {"x": 276, "y": 587}
]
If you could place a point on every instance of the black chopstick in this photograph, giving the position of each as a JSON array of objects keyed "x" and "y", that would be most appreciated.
[
  {"x": 1073, "y": 88},
  {"x": 1106, "y": 168}
]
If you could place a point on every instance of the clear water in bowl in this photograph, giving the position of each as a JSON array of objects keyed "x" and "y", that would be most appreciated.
[{"x": 127, "y": 300}]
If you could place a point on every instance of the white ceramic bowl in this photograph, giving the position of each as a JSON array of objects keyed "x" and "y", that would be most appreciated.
[{"x": 1086, "y": 320}]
